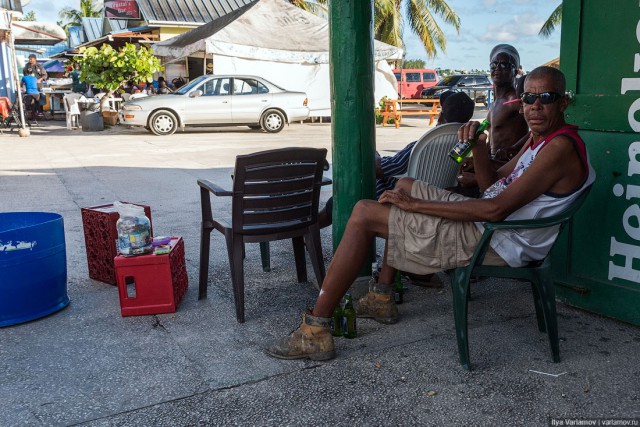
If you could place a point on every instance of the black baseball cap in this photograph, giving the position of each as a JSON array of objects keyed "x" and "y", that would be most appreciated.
[{"x": 33, "y": 55}]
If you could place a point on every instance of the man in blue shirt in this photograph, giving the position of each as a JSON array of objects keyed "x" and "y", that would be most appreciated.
[{"x": 32, "y": 94}]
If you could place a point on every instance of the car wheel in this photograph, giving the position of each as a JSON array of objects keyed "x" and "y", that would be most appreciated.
[
  {"x": 163, "y": 122},
  {"x": 255, "y": 127},
  {"x": 272, "y": 121}
]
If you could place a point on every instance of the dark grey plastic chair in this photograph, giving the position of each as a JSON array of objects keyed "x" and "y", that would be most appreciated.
[{"x": 275, "y": 196}]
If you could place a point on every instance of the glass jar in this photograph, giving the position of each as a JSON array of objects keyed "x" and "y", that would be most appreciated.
[{"x": 134, "y": 230}]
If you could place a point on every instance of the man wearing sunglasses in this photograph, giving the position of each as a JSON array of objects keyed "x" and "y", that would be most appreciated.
[
  {"x": 429, "y": 229},
  {"x": 508, "y": 127}
]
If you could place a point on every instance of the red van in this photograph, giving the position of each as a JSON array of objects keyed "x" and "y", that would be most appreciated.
[{"x": 411, "y": 81}]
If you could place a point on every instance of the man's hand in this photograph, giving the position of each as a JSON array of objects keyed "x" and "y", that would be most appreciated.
[
  {"x": 379, "y": 171},
  {"x": 467, "y": 179},
  {"x": 468, "y": 131},
  {"x": 399, "y": 198}
]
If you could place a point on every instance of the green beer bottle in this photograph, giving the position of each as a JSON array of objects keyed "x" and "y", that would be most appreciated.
[
  {"x": 349, "y": 318},
  {"x": 337, "y": 320},
  {"x": 463, "y": 148},
  {"x": 398, "y": 289}
]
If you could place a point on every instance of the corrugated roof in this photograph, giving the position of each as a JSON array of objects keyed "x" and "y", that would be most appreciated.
[
  {"x": 76, "y": 36},
  {"x": 14, "y": 5},
  {"x": 191, "y": 11},
  {"x": 92, "y": 28},
  {"x": 111, "y": 25}
]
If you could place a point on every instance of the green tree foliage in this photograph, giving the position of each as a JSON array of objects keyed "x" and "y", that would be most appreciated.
[
  {"x": 29, "y": 16},
  {"x": 109, "y": 68},
  {"x": 88, "y": 9},
  {"x": 388, "y": 22},
  {"x": 317, "y": 7},
  {"x": 413, "y": 63},
  {"x": 552, "y": 22}
]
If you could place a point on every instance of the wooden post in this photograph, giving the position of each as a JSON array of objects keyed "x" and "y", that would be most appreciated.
[{"x": 352, "y": 107}]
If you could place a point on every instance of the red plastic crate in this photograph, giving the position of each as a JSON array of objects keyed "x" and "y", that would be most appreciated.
[
  {"x": 152, "y": 284},
  {"x": 100, "y": 235}
]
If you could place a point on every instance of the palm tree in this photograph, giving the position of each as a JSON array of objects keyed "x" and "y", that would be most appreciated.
[
  {"x": 550, "y": 24},
  {"x": 388, "y": 21},
  {"x": 317, "y": 7},
  {"x": 88, "y": 9}
]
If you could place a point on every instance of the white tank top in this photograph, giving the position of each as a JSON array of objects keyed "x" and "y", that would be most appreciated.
[{"x": 519, "y": 247}]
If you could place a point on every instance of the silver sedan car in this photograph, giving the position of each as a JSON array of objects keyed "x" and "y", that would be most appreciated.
[{"x": 212, "y": 100}]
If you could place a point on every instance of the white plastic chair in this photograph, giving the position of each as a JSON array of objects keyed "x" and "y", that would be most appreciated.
[
  {"x": 430, "y": 161},
  {"x": 126, "y": 96},
  {"x": 71, "y": 109}
]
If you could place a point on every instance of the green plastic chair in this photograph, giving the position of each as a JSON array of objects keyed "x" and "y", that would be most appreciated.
[{"x": 537, "y": 272}]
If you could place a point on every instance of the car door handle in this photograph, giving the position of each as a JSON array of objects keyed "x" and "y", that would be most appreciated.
[
  {"x": 225, "y": 102},
  {"x": 265, "y": 100}
]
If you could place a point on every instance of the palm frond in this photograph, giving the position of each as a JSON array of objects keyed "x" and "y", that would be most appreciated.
[
  {"x": 550, "y": 24},
  {"x": 420, "y": 15}
]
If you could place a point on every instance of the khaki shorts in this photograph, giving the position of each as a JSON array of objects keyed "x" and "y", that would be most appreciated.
[{"x": 424, "y": 244}]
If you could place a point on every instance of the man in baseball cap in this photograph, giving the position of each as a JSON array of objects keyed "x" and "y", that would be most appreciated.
[
  {"x": 37, "y": 70},
  {"x": 508, "y": 127}
]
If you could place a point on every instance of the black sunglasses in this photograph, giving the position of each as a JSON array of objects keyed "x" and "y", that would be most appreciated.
[
  {"x": 501, "y": 65},
  {"x": 545, "y": 97}
]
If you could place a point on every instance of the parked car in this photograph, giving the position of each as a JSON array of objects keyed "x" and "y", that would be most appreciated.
[
  {"x": 476, "y": 86},
  {"x": 412, "y": 81},
  {"x": 212, "y": 100}
]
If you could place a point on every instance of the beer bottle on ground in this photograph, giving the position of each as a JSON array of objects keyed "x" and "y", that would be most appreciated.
[
  {"x": 337, "y": 320},
  {"x": 398, "y": 289},
  {"x": 349, "y": 316}
]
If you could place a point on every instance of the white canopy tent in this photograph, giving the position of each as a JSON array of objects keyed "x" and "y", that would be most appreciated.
[{"x": 280, "y": 42}]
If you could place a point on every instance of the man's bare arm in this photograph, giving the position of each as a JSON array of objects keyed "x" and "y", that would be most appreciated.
[{"x": 554, "y": 170}]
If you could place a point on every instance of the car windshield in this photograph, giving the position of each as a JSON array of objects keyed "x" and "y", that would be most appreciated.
[
  {"x": 448, "y": 81},
  {"x": 193, "y": 83}
]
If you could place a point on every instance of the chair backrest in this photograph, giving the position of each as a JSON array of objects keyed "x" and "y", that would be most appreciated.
[
  {"x": 71, "y": 103},
  {"x": 560, "y": 220},
  {"x": 277, "y": 190},
  {"x": 429, "y": 160}
]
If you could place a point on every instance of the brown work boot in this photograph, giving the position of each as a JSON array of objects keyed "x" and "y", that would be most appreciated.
[
  {"x": 312, "y": 340},
  {"x": 378, "y": 303}
]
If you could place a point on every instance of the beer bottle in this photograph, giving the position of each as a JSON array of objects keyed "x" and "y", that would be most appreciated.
[
  {"x": 349, "y": 316},
  {"x": 398, "y": 289},
  {"x": 337, "y": 320},
  {"x": 463, "y": 148}
]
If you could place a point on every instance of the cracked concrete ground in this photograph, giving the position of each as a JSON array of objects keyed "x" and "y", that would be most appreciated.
[{"x": 87, "y": 365}]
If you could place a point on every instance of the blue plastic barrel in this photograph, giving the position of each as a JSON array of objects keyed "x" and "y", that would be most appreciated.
[{"x": 33, "y": 266}]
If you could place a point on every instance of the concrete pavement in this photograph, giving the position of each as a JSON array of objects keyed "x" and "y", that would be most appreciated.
[{"x": 87, "y": 365}]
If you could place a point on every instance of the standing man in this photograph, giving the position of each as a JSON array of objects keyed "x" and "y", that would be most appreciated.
[
  {"x": 508, "y": 126},
  {"x": 77, "y": 86},
  {"x": 429, "y": 229},
  {"x": 37, "y": 70}
]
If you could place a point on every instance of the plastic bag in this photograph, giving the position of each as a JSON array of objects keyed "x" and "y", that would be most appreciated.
[{"x": 134, "y": 230}]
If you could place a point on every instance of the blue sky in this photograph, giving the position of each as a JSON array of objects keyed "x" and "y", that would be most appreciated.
[{"x": 485, "y": 23}]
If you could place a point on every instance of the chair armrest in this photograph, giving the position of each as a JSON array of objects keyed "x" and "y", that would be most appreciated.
[
  {"x": 326, "y": 181},
  {"x": 558, "y": 219},
  {"x": 214, "y": 188},
  {"x": 529, "y": 223}
]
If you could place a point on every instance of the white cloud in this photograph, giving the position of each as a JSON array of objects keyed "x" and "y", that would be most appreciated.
[
  {"x": 45, "y": 11},
  {"x": 518, "y": 27}
]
